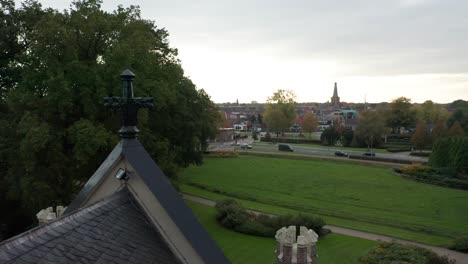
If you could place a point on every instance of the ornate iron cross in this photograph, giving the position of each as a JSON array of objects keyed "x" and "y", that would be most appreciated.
[{"x": 129, "y": 105}]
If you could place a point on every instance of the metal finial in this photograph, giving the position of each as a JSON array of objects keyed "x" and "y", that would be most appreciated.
[{"x": 128, "y": 105}]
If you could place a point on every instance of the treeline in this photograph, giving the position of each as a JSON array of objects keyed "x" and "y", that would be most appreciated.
[{"x": 55, "y": 68}]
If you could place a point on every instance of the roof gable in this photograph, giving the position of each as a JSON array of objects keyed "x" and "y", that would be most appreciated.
[
  {"x": 172, "y": 202},
  {"x": 130, "y": 154}
]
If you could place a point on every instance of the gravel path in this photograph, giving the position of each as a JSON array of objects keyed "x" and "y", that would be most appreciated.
[{"x": 461, "y": 258}]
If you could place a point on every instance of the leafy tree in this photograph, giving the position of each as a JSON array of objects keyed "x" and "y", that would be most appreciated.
[
  {"x": 400, "y": 114},
  {"x": 460, "y": 114},
  {"x": 309, "y": 123},
  {"x": 56, "y": 131},
  {"x": 347, "y": 136},
  {"x": 275, "y": 120},
  {"x": 280, "y": 111},
  {"x": 430, "y": 112},
  {"x": 330, "y": 135},
  {"x": 370, "y": 128},
  {"x": 456, "y": 130},
  {"x": 420, "y": 137},
  {"x": 450, "y": 153}
]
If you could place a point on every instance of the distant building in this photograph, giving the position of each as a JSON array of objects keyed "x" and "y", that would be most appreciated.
[{"x": 335, "y": 100}]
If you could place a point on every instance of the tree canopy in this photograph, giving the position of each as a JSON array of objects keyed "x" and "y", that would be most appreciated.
[
  {"x": 400, "y": 114},
  {"x": 309, "y": 123},
  {"x": 55, "y": 68},
  {"x": 370, "y": 129},
  {"x": 280, "y": 111}
]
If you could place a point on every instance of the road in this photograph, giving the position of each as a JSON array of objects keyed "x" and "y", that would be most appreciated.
[
  {"x": 458, "y": 256},
  {"x": 315, "y": 151}
]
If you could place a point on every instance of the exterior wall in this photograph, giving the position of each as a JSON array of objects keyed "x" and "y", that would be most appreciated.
[{"x": 290, "y": 250}]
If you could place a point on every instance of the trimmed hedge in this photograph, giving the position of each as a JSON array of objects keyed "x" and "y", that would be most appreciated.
[
  {"x": 379, "y": 159},
  {"x": 426, "y": 174},
  {"x": 290, "y": 140},
  {"x": 399, "y": 149},
  {"x": 460, "y": 244},
  {"x": 222, "y": 154},
  {"x": 420, "y": 154},
  {"x": 232, "y": 215},
  {"x": 392, "y": 253}
]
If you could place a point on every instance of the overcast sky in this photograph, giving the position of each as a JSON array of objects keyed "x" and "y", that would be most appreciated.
[{"x": 378, "y": 49}]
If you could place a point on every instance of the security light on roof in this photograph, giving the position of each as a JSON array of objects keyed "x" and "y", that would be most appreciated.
[{"x": 121, "y": 175}]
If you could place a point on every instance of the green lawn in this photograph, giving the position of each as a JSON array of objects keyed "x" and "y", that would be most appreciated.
[
  {"x": 245, "y": 249},
  {"x": 355, "y": 196}
]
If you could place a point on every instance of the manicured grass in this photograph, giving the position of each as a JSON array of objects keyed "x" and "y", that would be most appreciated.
[
  {"x": 245, "y": 249},
  {"x": 349, "y": 195}
]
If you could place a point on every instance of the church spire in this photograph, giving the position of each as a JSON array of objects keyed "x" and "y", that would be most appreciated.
[{"x": 335, "y": 100}]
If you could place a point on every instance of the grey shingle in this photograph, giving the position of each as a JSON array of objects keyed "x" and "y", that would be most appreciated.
[{"x": 111, "y": 231}]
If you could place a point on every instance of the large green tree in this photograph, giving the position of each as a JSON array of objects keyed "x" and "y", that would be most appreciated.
[
  {"x": 55, "y": 129},
  {"x": 370, "y": 128},
  {"x": 400, "y": 114},
  {"x": 280, "y": 111}
]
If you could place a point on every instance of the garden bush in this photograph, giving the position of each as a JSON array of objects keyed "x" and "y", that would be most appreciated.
[
  {"x": 418, "y": 170},
  {"x": 420, "y": 154},
  {"x": 256, "y": 229},
  {"x": 399, "y": 149},
  {"x": 223, "y": 154},
  {"x": 392, "y": 253},
  {"x": 460, "y": 244},
  {"x": 230, "y": 213},
  {"x": 426, "y": 174}
]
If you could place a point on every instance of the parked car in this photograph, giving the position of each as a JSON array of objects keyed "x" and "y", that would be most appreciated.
[
  {"x": 341, "y": 154},
  {"x": 284, "y": 147},
  {"x": 370, "y": 154},
  {"x": 245, "y": 146}
]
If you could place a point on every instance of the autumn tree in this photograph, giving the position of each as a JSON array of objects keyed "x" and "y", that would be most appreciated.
[
  {"x": 280, "y": 111},
  {"x": 309, "y": 123},
  {"x": 439, "y": 130},
  {"x": 400, "y": 114},
  {"x": 370, "y": 128},
  {"x": 420, "y": 137}
]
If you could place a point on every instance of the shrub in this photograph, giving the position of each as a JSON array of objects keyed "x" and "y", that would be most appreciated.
[
  {"x": 311, "y": 222},
  {"x": 389, "y": 253},
  {"x": 230, "y": 213},
  {"x": 436, "y": 259},
  {"x": 399, "y": 149},
  {"x": 417, "y": 169},
  {"x": 460, "y": 244},
  {"x": 420, "y": 154},
  {"x": 223, "y": 154},
  {"x": 255, "y": 228}
]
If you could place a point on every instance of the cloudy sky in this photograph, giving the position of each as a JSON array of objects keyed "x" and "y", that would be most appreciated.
[{"x": 374, "y": 49}]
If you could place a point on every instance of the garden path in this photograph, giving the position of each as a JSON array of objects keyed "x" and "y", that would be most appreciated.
[{"x": 461, "y": 258}]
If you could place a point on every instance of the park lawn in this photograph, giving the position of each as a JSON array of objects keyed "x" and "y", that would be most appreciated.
[
  {"x": 350, "y": 195},
  {"x": 241, "y": 248}
]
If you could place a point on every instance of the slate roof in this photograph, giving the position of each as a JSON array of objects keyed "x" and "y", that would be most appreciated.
[
  {"x": 163, "y": 190},
  {"x": 114, "y": 230}
]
